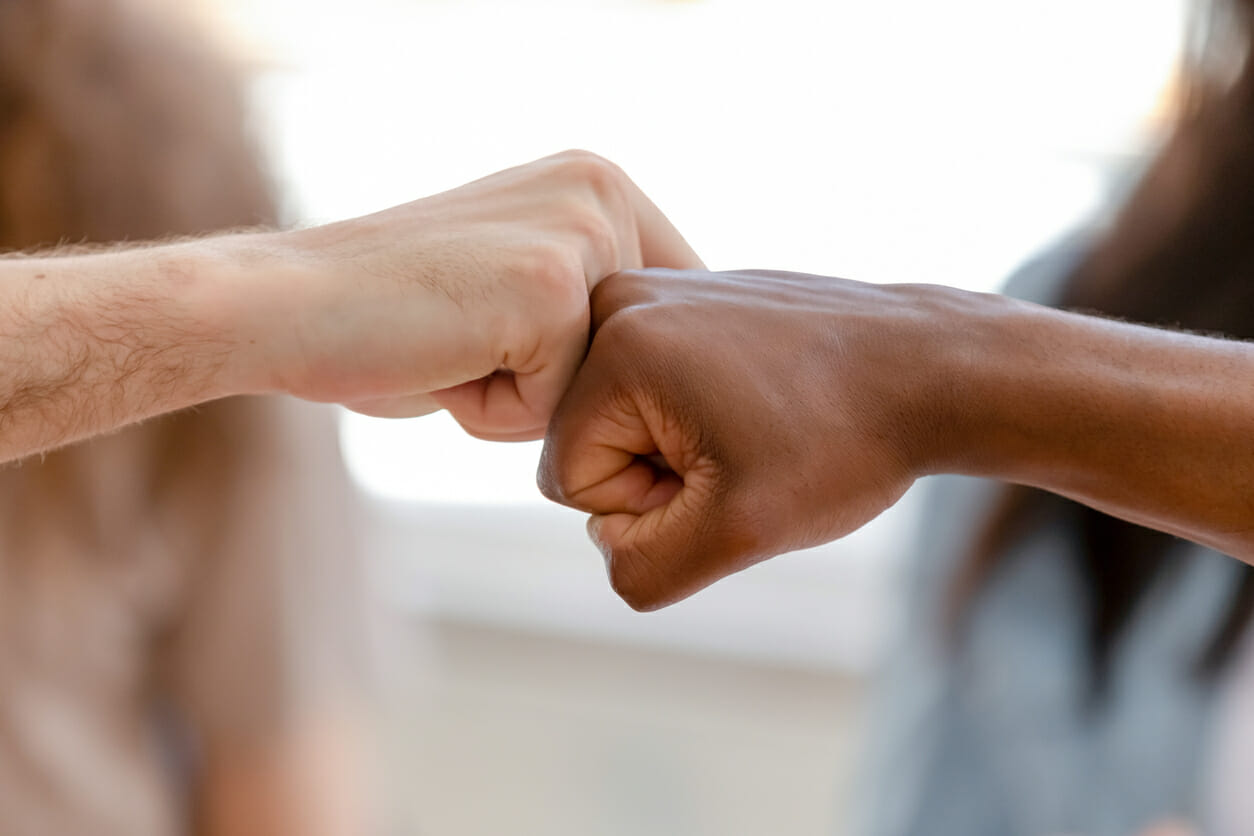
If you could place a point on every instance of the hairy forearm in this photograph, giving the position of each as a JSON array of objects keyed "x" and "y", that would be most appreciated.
[
  {"x": 1153, "y": 426},
  {"x": 90, "y": 342},
  {"x": 391, "y": 313}
]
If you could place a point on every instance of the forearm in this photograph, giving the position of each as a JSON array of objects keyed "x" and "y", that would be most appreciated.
[
  {"x": 91, "y": 342},
  {"x": 381, "y": 313},
  {"x": 1153, "y": 426}
]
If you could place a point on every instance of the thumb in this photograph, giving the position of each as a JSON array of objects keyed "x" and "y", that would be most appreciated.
[
  {"x": 665, "y": 554},
  {"x": 639, "y": 571}
]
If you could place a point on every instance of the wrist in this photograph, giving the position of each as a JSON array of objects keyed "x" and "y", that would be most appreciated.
[
  {"x": 973, "y": 384},
  {"x": 1138, "y": 422},
  {"x": 1036, "y": 394},
  {"x": 332, "y": 314},
  {"x": 213, "y": 286},
  {"x": 252, "y": 289}
]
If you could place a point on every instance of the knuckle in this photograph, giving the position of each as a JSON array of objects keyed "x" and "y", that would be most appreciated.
[
  {"x": 605, "y": 177},
  {"x": 637, "y": 354},
  {"x": 549, "y": 478},
  {"x": 624, "y": 291},
  {"x": 553, "y": 275},
  {"x": 641, "y": 604},
  {"x": 628, "y": 328},
  {"x": 737, "y": 535},
  {"x": 544, "y": 261},
  {"x": 634, "y": 579},
  {"x": 558, "y": 471},
  {"x": 581, "y": 160},
  {"x": 599, "y": 236},
  {"x": 575, "y": 154}
]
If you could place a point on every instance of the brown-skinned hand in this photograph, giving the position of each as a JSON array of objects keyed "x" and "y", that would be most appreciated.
[{"x": 723, "y": 418}]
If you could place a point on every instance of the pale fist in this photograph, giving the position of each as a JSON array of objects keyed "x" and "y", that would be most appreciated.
[{"x": 475, "y": 299}]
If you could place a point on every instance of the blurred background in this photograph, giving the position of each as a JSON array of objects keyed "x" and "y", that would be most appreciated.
[
  {"x": 913, "y": 141},
  {"x": 907, "y": 141}
]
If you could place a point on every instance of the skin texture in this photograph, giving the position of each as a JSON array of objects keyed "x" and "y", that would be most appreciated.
[
  {"x": 721, "y": 419},
  {"x": 475, "y": 300}
]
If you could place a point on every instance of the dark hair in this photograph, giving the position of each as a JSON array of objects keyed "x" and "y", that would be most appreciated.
[{"x": 1179, "y": 254}]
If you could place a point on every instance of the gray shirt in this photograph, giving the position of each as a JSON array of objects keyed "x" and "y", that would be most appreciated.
[{"x": 992, "y": 735}]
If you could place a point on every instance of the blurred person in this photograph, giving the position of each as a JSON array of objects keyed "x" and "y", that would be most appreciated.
[
  {"x": 181, "y": 637},
  {"x": 1065, "y": 670}
]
